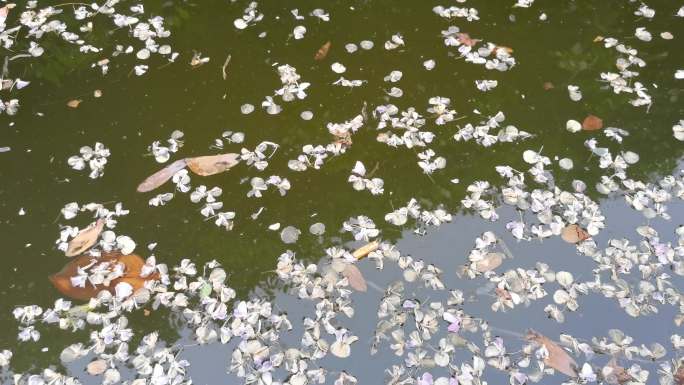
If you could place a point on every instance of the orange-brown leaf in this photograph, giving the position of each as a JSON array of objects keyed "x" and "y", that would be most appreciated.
[
  {"x": 160, "y": 177},
  {"x": 212, "y": 164},
  {"x": 592, "y": 123},
  {"x": 574, "y": 234},
  {"x": 366, "y": 249},
  {"x": 85, "y": 239},
  {"x": 74, "y": 103},
  {"x": 132, "y": 269},
  {"x": 323, "y": 51},
  {"x": 558, "y": 358},
  {"x": 355, "y": 278}
]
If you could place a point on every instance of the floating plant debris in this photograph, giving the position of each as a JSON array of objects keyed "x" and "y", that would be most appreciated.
[{"x": 396, "y": 142}]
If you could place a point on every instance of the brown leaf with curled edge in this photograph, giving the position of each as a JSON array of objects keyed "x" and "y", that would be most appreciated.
[
  {"x": 558, "y": 358},
  {"x": 574, "y": 234},
  {"x": 490, "y": 262},
  {"x": 74, "y": 103},
  {"x": 131, "y": 274},
  {"x": 592, "y": 123},
  {"x": 323, "y": 51},
  {"x": 366, "y": 249},
  {"x": 355, "y": 278},
  {"x": 85, "y": 239},
  {"x": 212, "y": 164},
  {"x": 162, "y": 176}
]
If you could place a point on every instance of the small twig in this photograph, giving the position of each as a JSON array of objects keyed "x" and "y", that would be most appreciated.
[{"x": 225, "y": 65}]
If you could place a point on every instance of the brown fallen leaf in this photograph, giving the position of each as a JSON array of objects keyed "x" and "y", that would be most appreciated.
[
  {"x": 132, "y": 269},
  {"x": 592, "y": 123},
  {"x": 74, "y": 103},
  {"x": 162, "y": 176},
  {"x": 366, "y": 249},
  {"x": 85, "y": 239},
  {"x": 618, "y": 374},
  {"x": 558, "y": 358},
  {"x": 679, "y": 375},
  {"x": 574, "y": 234},
  {"x": 548, "y": 86},
  {"x": 212, "y": 164},
  {"x": 598, "y": 38},
  {"x": 323, "y": 51},
  {"x": 490, "y": 262},
  {"x": 355, "y": 278}
]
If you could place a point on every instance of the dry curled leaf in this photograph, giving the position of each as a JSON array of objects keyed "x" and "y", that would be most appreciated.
[
  {"x": 162, "y": 176},
  {"x": 74, "y": 103},
  {"x": 366, "y": 249},
  {"x": 592, "y": 123},
  {"x": 132, "y": 267},
  {"x": 558, "y": 358},
  {"x": 85, "y": 239},
  {"x": 574, "y": 234},
  {"x": 490, "y": 262},
  {"x": 323, "y": 51},
  {"x": 355, "y": 278},
  {"x": 212, "y": 164}
]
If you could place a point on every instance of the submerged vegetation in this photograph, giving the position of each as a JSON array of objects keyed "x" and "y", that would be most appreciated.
[{"x": 294, "y": 268}]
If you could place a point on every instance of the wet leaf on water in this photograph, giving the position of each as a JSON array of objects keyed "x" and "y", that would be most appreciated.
[
  {"x": 355, "y": 278},
  {"x": 97, "y": 367},
  {"x": 490, "y": 262},
  {"x": 162, "y": 176},
  {"x": 574, "y": 234},
  {"x": 558, "y": 358},
  {"x": 74, "y": 103},
  {"x": 85, "y": 239},
  {"x": 323, "y": 51},
  {"x": 592, "y": 123},
  {"x": 212, "y": 164},
  {"x": 366, "y": 249},
  {"x": 132, "y": 263}
]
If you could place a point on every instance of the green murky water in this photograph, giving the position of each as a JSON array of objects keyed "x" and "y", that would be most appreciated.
[{"x": 134, "y": 111}]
